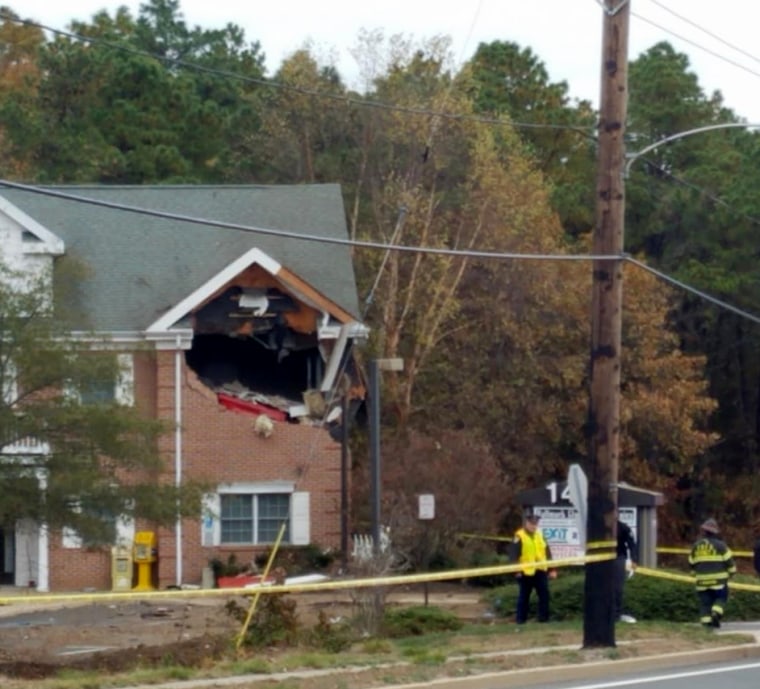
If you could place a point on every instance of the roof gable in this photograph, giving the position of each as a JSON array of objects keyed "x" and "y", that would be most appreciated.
[
  {"x": 32, "y": 237},
  {"x": 209, "y": 288}
]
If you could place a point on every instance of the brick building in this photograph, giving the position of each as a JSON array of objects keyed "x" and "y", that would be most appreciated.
[{"x": 236, "y": 331}]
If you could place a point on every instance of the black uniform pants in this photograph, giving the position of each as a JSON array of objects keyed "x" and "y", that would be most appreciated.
[
  {"x": 712, "y": 603},
  {"x": 527, "y": 584}
]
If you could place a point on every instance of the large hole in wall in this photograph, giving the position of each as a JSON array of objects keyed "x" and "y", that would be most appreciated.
[
  {"x": 259, "y": 345},
  {"x": 243, "y": 364}
]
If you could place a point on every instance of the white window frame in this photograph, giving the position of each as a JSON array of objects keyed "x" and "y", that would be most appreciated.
[
  {"x": 123, "y": 392},
  {"x": 299, "y": 518},
  {"x": 125, "y": 532},
  {"x": 9, "y": 390}
]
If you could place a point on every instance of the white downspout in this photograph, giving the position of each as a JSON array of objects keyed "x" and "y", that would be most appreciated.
[
  {"x": 43, "y": 544},
  {"x": 178, "y": 452}
]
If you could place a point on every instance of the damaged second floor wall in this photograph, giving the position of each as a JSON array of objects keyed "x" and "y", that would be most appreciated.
[{"x": 256, "y": 341}]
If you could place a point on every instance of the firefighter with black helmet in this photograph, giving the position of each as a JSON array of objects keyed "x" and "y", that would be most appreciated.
[{"x": 712, "y": 564}]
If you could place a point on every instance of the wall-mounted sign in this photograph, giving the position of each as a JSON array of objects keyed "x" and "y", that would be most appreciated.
[{"x": 426, "y": 506}]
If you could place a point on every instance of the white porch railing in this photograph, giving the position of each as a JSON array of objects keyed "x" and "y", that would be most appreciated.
[
  {"x": 363, "y": 549},
  {"x": 25, "y": 446}
]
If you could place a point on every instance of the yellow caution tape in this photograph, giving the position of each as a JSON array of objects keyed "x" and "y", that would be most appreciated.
[
  {"x": 484, "y": 537},
  {"x": 600, "y": 545},
  {"x": 661, "y": 574},
  {"x": 743, "y": 587},
  {"x": 686, "y": 551},
  {"x": 394, "y": 580}
]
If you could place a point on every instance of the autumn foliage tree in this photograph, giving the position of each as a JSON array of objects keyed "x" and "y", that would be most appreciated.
[
  {"x": 488, "y": 168},
  {"x": 470, "y": 492}
]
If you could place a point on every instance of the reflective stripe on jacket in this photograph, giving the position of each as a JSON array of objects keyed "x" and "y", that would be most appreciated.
[
  {"x": 712, "y": 563},
  {"x": 533, "y": 548}
]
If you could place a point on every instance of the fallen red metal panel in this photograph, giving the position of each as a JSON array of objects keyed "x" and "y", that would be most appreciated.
[
  {"x": 248, "y": 407},
  {"x": 242, "y": 580}
]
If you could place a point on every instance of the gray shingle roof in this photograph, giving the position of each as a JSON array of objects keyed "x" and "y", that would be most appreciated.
[{"x": 140, "y": 266}]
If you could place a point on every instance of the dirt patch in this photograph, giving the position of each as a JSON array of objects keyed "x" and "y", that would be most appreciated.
[
  {"x": 110, "y": 636},
  {"x": 38, "y": 641}
]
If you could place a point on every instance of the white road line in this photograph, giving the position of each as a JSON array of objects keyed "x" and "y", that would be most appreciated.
[{"x": 676, "y": 675}]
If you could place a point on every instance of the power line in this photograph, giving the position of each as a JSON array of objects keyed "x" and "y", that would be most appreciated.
[
  {"x": 728, "y": 44},
  {"x": 693, "y": 290},
  {"x": 717, "y": 200},
  {"x": 697, "y": 45},
  {"x": 344, "y": 99},
  {"x": 287, "y": 234},
  {"x": 381, "y": 246}
]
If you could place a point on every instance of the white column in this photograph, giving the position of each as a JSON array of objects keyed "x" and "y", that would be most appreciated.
[
  {"x": 178, "y": 452},
  {"x": 43, "y": 543}
]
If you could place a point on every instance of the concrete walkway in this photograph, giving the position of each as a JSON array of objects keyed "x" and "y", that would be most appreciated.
[{"x": 752, "y": 628}]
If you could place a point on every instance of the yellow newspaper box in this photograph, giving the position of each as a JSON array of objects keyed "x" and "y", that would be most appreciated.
[
  {"x": 145, "y": 554},
  {"x": 121, "y": 568}
]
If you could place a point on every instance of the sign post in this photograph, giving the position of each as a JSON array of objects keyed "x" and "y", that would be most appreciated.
[
  {"x": 577, "y": 487},
  {"x": 426, "y": 513}
]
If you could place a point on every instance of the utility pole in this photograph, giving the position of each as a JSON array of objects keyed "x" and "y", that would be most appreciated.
[{"x": 606, "y": 325}]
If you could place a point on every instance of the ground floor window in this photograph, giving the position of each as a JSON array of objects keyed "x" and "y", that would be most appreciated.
[
  {"x": 252, "y": 513},
  {"x": 255, "y": 518}
]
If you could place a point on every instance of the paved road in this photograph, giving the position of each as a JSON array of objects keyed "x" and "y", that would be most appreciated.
[{"x": 728, "y": 675}]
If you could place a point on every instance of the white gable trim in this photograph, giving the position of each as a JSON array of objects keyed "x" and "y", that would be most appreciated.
[
  {"x": 51, "y": 243},
  {"x": 215, "y": 283},
  {"x": 181, "y": 338}
]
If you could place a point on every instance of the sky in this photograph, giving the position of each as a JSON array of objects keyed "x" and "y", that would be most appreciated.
[{"x": 718, "y": 37}]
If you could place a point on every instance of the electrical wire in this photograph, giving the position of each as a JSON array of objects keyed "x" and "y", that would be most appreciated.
[
  {"x": 369, "y": 299},
  {"x": 468, "y": 253},
  {"x": 287, "y": 234},
  {"x": 709, "y": 33},
  {"x": 717, "y": 200},
  {"x": 344, "y": 99},
  {"x": 697, "y": 45},
  {"x": 693, "y": 290}
]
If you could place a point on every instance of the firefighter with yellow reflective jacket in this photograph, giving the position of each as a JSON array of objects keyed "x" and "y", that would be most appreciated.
[
  {"x": 712, "y": 564},
  {"x": 531, "y": 550}
]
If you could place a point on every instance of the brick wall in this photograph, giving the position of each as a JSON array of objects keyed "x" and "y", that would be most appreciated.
[
  {"x": 218, "y": 446},
  {"x": 75, "y": 569}
]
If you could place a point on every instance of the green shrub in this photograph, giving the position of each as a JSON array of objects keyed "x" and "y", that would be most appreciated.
[
  {"x": 661, "y": 599},
  {"x": 417, "y": 620},
  {"x": 441, "y": 561},
  {"x": 566, "y": 594},
  {"x": 646, "y": 598},
  {"x": 274, "y": 621},
  {"x": 295, "y": 559},
  {"x": 488, "y": 558},
  {"x": 330, "y": 636},
  {"x": 230, "y": 568}
]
